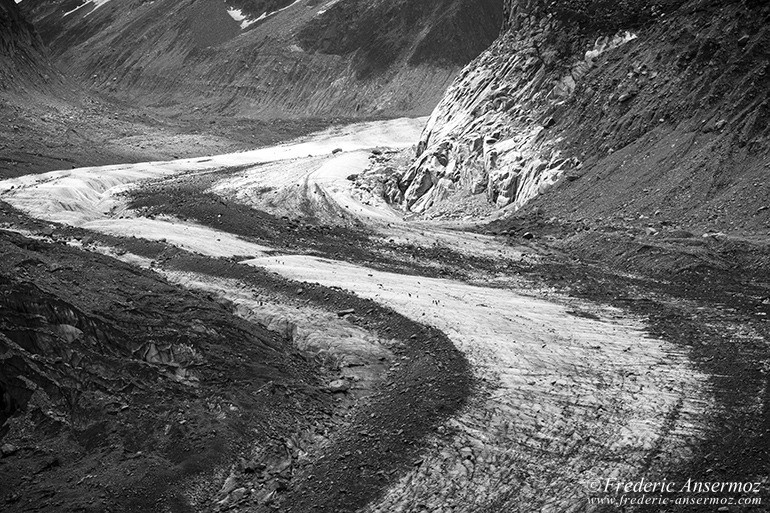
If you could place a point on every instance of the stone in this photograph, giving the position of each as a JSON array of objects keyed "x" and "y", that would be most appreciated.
[
  {"x": 230, "y": 484},
  {"x": 529, "y": 235},
  {"x": 8, "y": 450},
  {"x": 253, "y": 466},
  {"x": 338, "y": 385},
  {"x": 238, "y": 494},
  {"x": 343, "y": 313},
  {"x": 479, "y": 178},
  {"x": 68, "y": 332},
  {"x": 508, "y": 190},
  {"x": 422, "y": 182}
]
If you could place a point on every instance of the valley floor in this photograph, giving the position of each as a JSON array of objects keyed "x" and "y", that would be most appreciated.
[
  {"x": 433, "y": 367},
  {"x": 70, "y": 129}
]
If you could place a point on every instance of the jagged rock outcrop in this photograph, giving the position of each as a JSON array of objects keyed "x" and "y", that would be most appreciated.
[
  {"x": 568, "y": 87},
  {"x": 270, "y": 59}
]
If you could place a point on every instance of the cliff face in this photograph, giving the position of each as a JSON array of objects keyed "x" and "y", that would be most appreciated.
[
  {"x": 270, "y": 58},
  {"x": 596, "y": 110},
  {"x": 22, "y": 56}
]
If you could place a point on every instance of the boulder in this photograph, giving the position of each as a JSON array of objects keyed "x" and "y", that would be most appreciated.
[
  {"x": 230, "y": 484},
  {"x": 8, "y": 450},
  {"x": 338, "y": 385}
]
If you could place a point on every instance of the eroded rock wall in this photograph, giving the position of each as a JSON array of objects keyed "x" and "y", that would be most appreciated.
[{"x": 569, "y": 84}]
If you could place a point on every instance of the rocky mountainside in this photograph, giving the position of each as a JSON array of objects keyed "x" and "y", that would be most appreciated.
[
  {"x": 22, "y": 54},
  {"x": 269, "y": 58},
  {"x": 654, "y": 109},
  {"x": 51, "y": 120},
  {"x": 255, "y": 331}
]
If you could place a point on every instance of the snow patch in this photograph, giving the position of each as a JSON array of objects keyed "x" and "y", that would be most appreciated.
[
  {"x": 266, "y": 14},
  {"x": 326, "y": 7},
  {"x": 603, "y": 44},
  {"x": 236, "y": 14},
  {"x": 95, "y": 3},
  {"x": 241, "y": 18}
]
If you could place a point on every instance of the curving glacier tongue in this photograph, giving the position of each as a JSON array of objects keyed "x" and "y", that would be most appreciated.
[{"x": 565, "y": 399}]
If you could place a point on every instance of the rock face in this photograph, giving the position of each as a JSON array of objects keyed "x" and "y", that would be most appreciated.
[
  {"x": 569, "y": 87},
  {"x": 270, "y": 58},
  {"x": 21, "y": 50}
]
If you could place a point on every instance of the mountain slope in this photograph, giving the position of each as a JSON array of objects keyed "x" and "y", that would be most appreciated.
[
  {"x": 22, "y": 54},
  {"x": 270, "y": 58},
  {"x": 651, "y": 109},
  {"x": 52, "y": 121}
]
